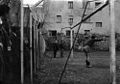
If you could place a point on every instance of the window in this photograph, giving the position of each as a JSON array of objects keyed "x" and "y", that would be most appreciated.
[
  {"x": 86, "y": 32},
  {"x": 68, "y": 33},
  {"x": 98, "y": 24},
  {"x": 52, "y": 32},
  {"x": 59, "y": 18},
  {"x": 97, "y": 4},
  {"x": 70, "y": 19},
  {"x": 70, "y": 4}
]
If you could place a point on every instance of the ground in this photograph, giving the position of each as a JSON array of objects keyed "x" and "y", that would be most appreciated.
[{"x": 76, "y": 71}]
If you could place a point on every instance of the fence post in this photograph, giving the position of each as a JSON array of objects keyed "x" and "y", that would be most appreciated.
[
  {"x": 31, "y": 57},
  {"x": 34, "y": 40}
]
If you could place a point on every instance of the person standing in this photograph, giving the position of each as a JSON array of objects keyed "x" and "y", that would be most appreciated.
[
  {"x": 87, "y": 46},
  {"x": 55, "y": 47},
  {"x": 62, "y": 47}
]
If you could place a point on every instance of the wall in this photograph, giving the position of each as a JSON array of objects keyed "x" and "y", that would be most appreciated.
[{"x": 61, "y": 7}]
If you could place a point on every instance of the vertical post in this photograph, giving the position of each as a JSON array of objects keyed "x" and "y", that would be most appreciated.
[
  {"x": 22, "y": 32},
  {"x": 112, "y": 44},
  {"x": 71, "y": 39},
  {"x": 31, "y": 60},
  {"x": 37, "y": 49},
  {"x": 35, "y": 63}
]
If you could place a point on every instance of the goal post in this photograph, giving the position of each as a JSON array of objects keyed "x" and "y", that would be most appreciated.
[{"x": 112, "y": 43}]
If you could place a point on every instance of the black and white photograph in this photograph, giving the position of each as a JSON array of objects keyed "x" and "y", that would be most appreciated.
[{"x": 59, "y": 41}]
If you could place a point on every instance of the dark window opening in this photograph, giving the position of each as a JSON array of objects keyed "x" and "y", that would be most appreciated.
[
  {"x": 86, "y": 31},
  {"x": 52, "y": 32},
  {"x": 70, "y": 20},
  {"x": 59, "y": 19},
  {"x": 98, "y": 24},
  {"x": 70, "y": 4},
  {"x": 97, "y": 4},
  {"x": 68, "y": 33}
]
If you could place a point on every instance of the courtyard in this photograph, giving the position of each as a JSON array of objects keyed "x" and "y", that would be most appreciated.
[{"x": 76, "y": 71}]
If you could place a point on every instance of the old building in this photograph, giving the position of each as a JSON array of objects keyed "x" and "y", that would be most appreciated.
[
  {"x": 59, "y": 15},
  {"x": 67, "y": 13}
]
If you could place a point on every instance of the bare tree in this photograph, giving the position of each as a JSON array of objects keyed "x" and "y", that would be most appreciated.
[{"x": 41, "y": 14}]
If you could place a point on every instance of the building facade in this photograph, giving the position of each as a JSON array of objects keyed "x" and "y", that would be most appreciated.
[{"x": 63, "y": 14}]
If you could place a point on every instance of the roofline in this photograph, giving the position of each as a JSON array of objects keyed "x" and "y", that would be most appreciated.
[{"x": 26, "y": 5}]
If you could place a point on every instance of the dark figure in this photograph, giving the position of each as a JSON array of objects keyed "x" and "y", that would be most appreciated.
[
  {"x": 26, "y": 56},
  {"x": 61, "y": 47},
  {"x": 4, "y": 9},
  {"x": 6, "y": 55},
  {"x": 55, "y": 47},
  {"x": 87, "y": 45},
  {"x": 1, "y": 58},
  {"x": 3, "y": 51}
]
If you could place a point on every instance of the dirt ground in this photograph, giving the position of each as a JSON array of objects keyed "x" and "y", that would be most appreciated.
[{"x": 76, "y": 71}]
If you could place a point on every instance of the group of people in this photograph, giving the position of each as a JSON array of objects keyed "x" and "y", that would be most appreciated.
[
  {"x": 58, "y": 45},
  {"x": 86, "y": 47}
]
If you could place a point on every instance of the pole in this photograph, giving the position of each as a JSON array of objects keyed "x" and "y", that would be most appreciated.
[
  {"x": 112, "y": 44},
  {"x": 35, "y": 62},
  {"x": 36, "y": 4},
  {"x": 22, "y": 32},
  {"x": 71, "y": 39},
  {"x": 31, "y": 60},
  {"x": 91, "y": 14},
  {"x": 65, "y": 65},
  {"x": 36, "y": 46}
]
